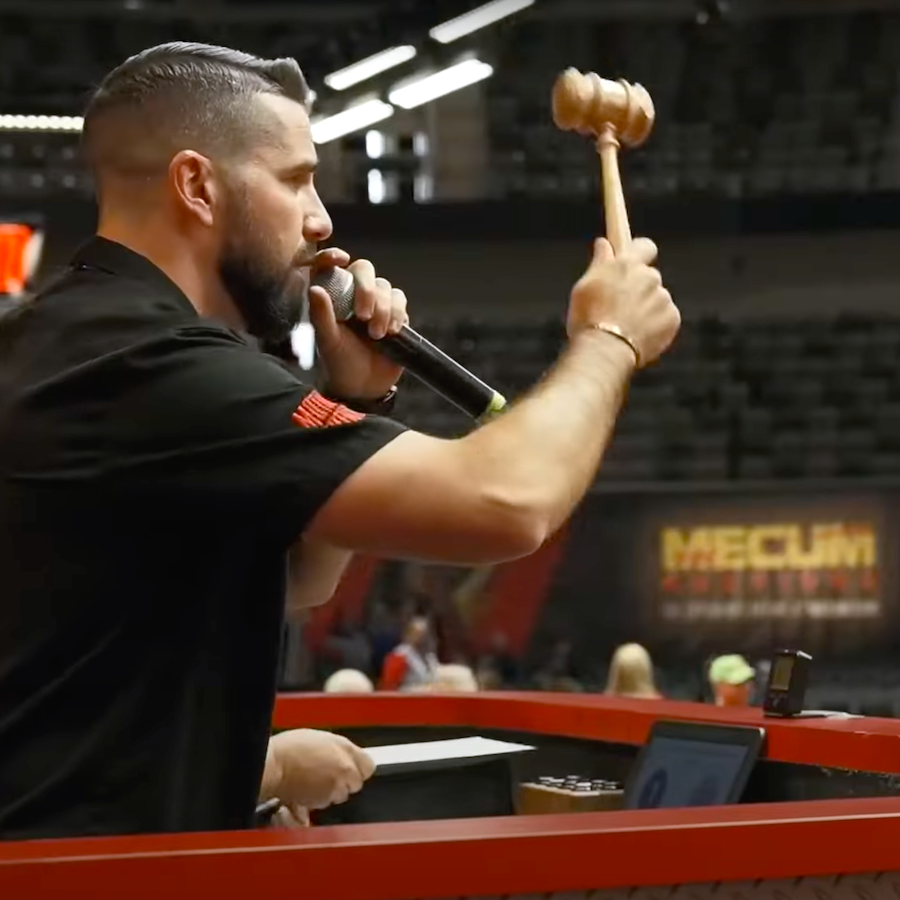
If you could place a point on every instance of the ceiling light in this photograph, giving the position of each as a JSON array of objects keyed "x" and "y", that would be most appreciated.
[
  {"x": 369, "y": 67},
  {"x": 354, "y": 118},
  {"x": 453, "y": 29},
  {"x": 430, "y": 87},
  {"x": 41, "y": 123}
]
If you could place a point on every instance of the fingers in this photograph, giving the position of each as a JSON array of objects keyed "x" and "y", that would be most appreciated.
[
  {"x": 641, "y": 250},
  {"x": 356, "y": 769},
  {"x": 377, "y": 301},
  {"x": 321, "y": 315},
  {"x": 291, "y": 815},
  {"x": 331, "y": 256},
  {"x": 603, "y": 251},
  {"x": 366, "y": 289},
  {"x": 364, "y": 763},
  {"x": 399, "y": 315}
]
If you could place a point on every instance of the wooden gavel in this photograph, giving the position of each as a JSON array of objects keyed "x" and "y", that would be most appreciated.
[{"x": 613, "y": 112}]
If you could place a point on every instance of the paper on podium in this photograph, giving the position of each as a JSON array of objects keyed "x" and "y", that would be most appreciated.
[{"x": 439, "y": 754}]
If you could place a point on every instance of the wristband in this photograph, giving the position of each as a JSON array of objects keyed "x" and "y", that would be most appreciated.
[
  {"x": 382, "y": 406},
  {"x": 617, "y": 332}
]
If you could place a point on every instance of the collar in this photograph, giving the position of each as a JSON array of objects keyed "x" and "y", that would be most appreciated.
[{"x": 117, "y": 259}]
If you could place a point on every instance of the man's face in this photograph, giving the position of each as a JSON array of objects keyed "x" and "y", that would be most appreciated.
[{"x": 273, "y": 223}]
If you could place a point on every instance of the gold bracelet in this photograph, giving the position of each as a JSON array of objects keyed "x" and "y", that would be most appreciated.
[{"x": 617, "y": 332}]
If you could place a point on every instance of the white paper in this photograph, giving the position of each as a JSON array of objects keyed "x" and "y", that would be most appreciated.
[{"x": 432, "y": 751}]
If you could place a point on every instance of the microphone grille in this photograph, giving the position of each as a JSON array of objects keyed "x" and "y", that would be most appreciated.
[{"x": 340, "y": 286}]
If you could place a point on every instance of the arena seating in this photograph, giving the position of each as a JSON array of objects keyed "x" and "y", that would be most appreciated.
[
  {"x": 807, "y": 399},
  {"x": 820, "y": 117}
]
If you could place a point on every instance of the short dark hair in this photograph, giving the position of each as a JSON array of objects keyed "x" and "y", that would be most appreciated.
[{"x": 180, "y": 96}]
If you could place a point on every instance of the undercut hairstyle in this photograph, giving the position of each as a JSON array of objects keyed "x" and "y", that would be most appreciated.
[{"x": 183, "y": 96}]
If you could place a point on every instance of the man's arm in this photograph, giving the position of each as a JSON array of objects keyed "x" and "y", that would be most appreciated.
[
  {"x": 502, "y": 490},
  {"x": 526, "y": 496}
]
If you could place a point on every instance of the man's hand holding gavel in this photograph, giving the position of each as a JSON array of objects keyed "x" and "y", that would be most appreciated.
[{"x": 624, "y": 296}]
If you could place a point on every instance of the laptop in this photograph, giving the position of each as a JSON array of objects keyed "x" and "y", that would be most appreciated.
[{"x": 693, "y": 764}]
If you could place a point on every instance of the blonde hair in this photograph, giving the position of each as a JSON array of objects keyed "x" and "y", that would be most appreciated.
[
  {"x": 631, "y": 673},
  {"x": 453, "y": 677},
  {"x": 349, "y": 681}
]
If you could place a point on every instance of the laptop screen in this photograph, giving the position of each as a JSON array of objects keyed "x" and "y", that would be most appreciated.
[{"x": 689, "y": 764}]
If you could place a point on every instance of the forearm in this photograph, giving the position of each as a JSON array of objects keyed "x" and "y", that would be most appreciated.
[
  {"x": 542, "y": 456},
  {"x": 314, "y": 571}
]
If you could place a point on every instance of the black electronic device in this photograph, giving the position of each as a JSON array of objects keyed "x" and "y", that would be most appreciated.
[
  {"x": 693, "y": 764},
  {"x": 788, "y": 679}
]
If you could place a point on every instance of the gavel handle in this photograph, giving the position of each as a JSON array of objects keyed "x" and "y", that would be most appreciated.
[{"x": 618, "y": 231}]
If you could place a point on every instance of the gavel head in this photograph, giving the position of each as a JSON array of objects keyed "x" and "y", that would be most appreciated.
[{"x": 590, "y": 104}]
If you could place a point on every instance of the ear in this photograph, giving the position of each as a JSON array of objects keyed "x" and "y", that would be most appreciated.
[{"x": 192, "y": 178}]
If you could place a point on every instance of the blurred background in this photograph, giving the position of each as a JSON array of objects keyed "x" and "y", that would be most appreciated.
[{"x": 750, "y": 498}]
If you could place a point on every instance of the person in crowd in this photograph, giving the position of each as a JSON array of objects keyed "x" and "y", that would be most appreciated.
[
  {"x": 498, "y": 668},
  {"x": 731, "y": 680},
  {"x": 454, "y": 678},
  {"x": 412, "y": 664},
  {"x": 631, "y": 674},
  {"x": 148, "y": 442},
  {"x": 348, "y": 681},
  {"x": 348, "y": 647},
  {"x": 559, "y": 671}
]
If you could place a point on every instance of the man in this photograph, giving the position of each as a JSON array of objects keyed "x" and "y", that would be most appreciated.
[
  {"x": 731, "y": 679},
  {"x": 411, "y": 665},
  {"x": 151, "y": 452}
]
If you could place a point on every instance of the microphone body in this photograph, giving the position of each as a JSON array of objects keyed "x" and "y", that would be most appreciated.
[{"x": 415, "y": 353}]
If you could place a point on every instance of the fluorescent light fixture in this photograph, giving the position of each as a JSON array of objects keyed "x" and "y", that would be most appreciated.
[
  {"x": 430, "y": 87},
  {"x": 354, "y": 118},
  {"x": 375, "y": 144},
  {"x": 376, "y": 185},
  {"x": 41, "y": 123},
  {"x": 453, "y": 29},
  {"x": 423, "y": 187},
  {"x": 369, "y": 67},
  {"x": 420, "y": 143}
]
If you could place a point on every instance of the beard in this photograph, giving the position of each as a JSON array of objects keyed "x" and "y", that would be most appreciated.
[{"x": 269, "y": 294}]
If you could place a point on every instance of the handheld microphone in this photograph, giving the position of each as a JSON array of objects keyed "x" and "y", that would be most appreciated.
[{"x": 409, "y": 349}]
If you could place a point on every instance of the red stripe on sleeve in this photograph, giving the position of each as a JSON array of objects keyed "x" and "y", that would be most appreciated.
[{"x": 318, "y": 412}]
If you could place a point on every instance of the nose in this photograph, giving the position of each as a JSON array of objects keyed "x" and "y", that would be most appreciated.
[{"x": 317, "y": 225}]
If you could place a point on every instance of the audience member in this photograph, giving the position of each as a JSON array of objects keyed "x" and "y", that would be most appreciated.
[
  {"x": 558, "y": 673},
  {"x": 731, "y": 680},
  {"x": 383, "y": 628},
  {"x": 349, "y": 681},
  {"x": 411, "y": 665},
  {"x": 631, "y": 674},
  {"x": 454, "y": 678},
  {"x": 498, "y": 668},
  {"x": 348, "y": 647}
]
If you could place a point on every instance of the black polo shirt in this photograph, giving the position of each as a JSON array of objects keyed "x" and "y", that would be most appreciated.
[{"x": 154, "y": 469}]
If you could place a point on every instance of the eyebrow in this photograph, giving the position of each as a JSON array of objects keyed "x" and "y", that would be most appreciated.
[{"x": 305, "y": 168}]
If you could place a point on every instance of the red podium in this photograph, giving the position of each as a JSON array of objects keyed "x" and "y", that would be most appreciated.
[{"x": 822, "y": 849}]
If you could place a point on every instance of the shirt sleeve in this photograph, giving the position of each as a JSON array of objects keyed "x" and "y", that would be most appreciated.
[
  {"x": 208, "y": 422},
  {"x": 394, "y": 672}
]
